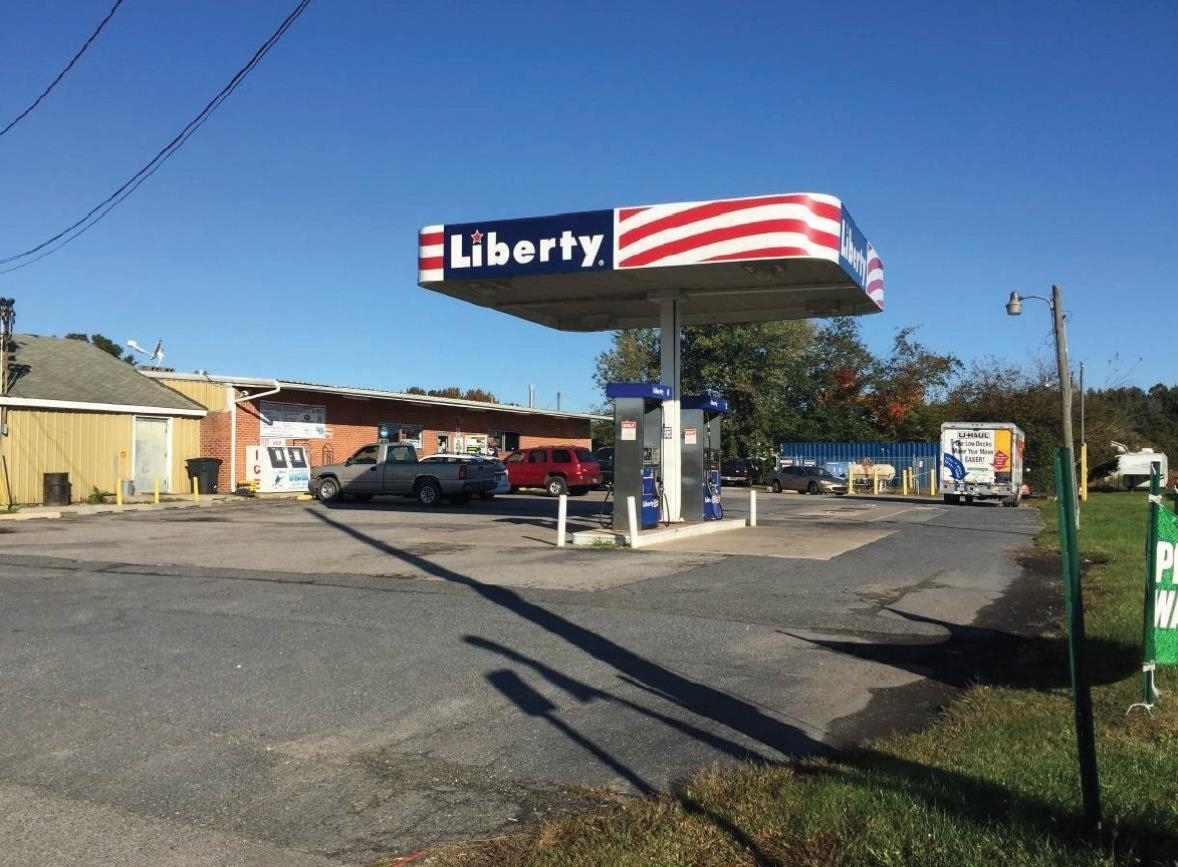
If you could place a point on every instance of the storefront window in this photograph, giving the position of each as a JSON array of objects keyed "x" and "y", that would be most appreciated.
[
  {"x": 393, "y": 432},
  {"x": 505, "y": 440}
]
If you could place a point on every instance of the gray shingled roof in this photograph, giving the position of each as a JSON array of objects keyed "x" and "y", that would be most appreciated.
[{"x": 53, "y": 368}]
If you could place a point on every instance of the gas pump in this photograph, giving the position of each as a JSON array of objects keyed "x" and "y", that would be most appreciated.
[
  {"x": 700, "y": 492},
  {"x": 638, "y": 449}
]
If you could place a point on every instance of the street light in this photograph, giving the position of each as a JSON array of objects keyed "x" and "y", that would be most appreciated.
[
  {"x": 1014, "y": 307},
  {"x": 1069, "y": 555}
]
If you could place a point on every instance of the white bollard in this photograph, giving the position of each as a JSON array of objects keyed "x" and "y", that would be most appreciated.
[
  {"x": 752, "y": 506},
  {"x": 632, "y": 518},
  {"x": 562, "y": 514}
]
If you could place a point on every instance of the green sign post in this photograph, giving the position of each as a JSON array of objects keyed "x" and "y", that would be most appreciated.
[{"x": 1077, "y": 656}]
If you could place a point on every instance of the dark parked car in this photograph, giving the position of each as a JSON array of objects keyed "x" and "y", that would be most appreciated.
[
  {"x": 740, "y": 471},
  {"x": 806, "y": 480},
  {"x": 605, "y": 457}
]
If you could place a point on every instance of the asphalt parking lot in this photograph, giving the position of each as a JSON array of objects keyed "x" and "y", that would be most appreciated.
[{"x": 270, "y": 682}]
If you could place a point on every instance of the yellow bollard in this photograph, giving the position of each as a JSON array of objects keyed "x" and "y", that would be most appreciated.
[
  {"x": 155, "y": 490},
  {"x": 118, "y": 492},
  {"x": 195, "y": 490},
  {"x": 904, "y": 481}
]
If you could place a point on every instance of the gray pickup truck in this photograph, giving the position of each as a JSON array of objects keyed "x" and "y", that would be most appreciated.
[{"x": 393, "y": 468}]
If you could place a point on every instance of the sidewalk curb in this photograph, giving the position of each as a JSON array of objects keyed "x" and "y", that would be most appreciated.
[{"x": 27, "y": 513}]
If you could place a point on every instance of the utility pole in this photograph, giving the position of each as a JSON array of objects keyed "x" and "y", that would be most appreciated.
[
  {"x": 7, "y": 318},
  {"x": 1083, "y": 444}
]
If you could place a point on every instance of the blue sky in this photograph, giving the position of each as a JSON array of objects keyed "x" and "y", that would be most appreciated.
[{"x": 981, "y": 148}]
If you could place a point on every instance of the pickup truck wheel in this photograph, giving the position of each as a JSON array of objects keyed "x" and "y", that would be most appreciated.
[
  {"x": 775, "y": 486},
  {"x": 428, "y": 493},
  {"x": 329, "y": 490},
  {"x": 555, "y": 486}
]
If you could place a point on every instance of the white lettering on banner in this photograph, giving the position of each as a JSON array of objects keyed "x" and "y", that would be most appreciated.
[
  {"x": 855, "y": 257},
  {"x": 1165, "y": 615},
  {"x": 1163, "y": 560},
  {"x": 496, "y": 253},
  {"x": 525, "y": 252}
]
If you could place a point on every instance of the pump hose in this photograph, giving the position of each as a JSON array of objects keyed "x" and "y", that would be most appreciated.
[
  {"x": 609, "y": 492},
  {"x": 664, "y": 508}
]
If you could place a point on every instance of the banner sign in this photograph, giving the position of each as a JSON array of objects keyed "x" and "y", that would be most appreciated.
[
  {"x": 495, "y": 250},
  {"x": 293, "y": 420},
  {"x": 1161, "y": 629}
]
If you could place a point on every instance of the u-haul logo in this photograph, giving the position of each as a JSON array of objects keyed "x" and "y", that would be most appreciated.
[{"x": 479, "y": 250}]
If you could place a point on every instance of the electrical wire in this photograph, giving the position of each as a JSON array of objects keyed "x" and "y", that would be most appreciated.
[
  {"x": 68, "y": 67},
  {"x": 99, "y": 211}
]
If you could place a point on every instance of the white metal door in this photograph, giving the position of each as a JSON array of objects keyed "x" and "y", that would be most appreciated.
[{"x": 151, "y": 455}]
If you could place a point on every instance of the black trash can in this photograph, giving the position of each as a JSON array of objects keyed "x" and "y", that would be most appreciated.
[
  {"x": 205, "y": 471},
  {"x": 56, "y": 489}
]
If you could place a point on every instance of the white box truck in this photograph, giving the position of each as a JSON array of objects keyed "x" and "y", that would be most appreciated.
[{"x": 982, "y": 461}]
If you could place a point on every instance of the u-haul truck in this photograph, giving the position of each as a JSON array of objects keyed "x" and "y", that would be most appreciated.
[{"x": 982, "y": 461}]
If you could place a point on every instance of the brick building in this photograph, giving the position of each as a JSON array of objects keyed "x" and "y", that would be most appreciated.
[{"x": 331, "y": 422}]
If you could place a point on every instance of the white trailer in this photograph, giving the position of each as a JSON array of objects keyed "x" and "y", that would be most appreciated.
[
  {"x": 982, "y": 461},
  {"x": 1134, "y": 468}
]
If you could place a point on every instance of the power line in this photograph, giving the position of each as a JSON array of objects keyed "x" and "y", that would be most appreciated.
[
  {"x": 68, "y": 67},
  {"x": 99, "y": 211}
]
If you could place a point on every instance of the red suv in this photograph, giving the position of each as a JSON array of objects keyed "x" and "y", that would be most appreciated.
[{"x": 556, "y": 469}]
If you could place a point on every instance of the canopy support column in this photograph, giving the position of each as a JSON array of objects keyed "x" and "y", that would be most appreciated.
[{"x": 672, "y": 459}]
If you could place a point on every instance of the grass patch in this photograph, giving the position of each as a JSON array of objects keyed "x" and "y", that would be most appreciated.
[
  {"x": 97, "y": 497},
  {"x": 993, "y": 781}
]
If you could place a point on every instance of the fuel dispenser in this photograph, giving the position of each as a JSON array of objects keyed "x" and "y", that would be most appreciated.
[
  {"x": 638, "y": 449},
  {"x": 278, "y": 469},
  {"x": 700, "y": 492}
]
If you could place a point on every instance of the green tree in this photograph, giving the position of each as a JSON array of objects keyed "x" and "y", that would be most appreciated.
[
  {"x": 479, "y": 395},
  {"x": 744, "y": 363},
  {"x": 906, "y": 385},
  {"x": 634, "y": 357},
  {"x": 103, "y": 343},
  {"x": 829, "y": 386},
  {"x": 748, "y": 365}
]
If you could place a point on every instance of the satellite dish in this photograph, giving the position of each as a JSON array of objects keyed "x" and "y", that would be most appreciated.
[{"x": 155, "y": 356}]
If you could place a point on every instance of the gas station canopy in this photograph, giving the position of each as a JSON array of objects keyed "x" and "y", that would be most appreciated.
[
  {"x": 764, "y": 258},
  {"x": 788, "y": 256}
]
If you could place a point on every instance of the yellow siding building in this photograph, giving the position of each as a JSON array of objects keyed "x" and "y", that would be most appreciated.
[{"x": 73, "y": 409}]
